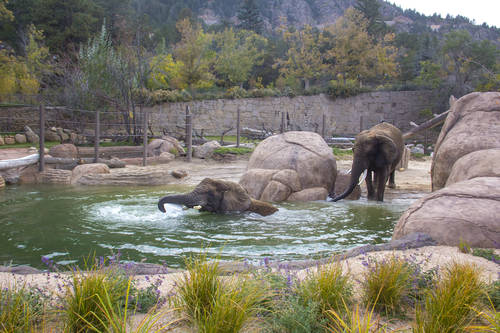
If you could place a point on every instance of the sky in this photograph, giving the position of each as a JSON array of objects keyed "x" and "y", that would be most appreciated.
[{"x": 478, "y": 10}]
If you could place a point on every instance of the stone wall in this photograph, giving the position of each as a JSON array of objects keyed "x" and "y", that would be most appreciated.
[{"x": 343, "y": 116}]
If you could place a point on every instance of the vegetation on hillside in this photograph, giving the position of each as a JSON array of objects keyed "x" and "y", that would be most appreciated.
[{"x": 117, "y": 54}]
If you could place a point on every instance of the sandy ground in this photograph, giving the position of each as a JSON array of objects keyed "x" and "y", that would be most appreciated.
[{"x": 416, "y": 179}]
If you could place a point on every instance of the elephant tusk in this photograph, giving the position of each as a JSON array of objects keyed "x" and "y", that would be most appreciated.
[
  {"x": 198, "y": 207},
  {"x": 363, "y": 176}
]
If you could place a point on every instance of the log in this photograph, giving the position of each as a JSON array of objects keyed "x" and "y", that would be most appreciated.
[
  {"x": 19, "y": 162},
  {"x": 439, "y": 119}
]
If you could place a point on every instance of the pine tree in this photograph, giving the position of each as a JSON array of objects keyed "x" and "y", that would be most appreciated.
[{"x": 249, "y": 17}]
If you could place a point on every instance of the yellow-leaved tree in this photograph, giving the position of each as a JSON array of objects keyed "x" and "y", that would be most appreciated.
[
  {"x": 193, "y": 51},
  {"x": 303, "y": 60},
  {"x": 354, "y": 54},
  {"x": 165, "y": 73}
]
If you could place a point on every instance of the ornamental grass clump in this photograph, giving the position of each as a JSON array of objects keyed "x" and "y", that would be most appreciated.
[
  {"x": 93, "y": 295},
  {"x": 355, "y": 321},
  {"x": 449, "y": 306},
  {"x": 20, "y": 309},
  {"x": 328, "y": 287},
  {"x": 386, "y": 284},
  {"x": 212, "y": 304}
]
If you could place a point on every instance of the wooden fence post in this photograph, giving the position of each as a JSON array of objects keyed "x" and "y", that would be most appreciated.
[
  {"x": 238, "y": 127},
  {"x": 189, "y": 135},
  {"x": 41, "y": 152},
  {"x": 97, "y": 138},
  {"x": 360, "y": 123},
  {"x": 145, "y": 136}
]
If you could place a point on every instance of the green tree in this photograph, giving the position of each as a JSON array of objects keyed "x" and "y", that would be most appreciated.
[
  {"x": 431, "y": 75},
  {"x": 303, "y": 60},
  {"x": 371, "y": 11},
  {"x": 237, "y": 54},
  {"x": 5, "y": 14},
  {"x": 249, "y": 17},
  {"x": 193, "y": 50},
  {"x": 465, "y": 59},
  {"x": 165, "y": 73}
]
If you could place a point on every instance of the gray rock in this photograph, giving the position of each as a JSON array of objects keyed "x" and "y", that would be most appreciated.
[
  {"x": 20, "y": 138},
  {"x": 31, "y": 136},
  {"x": 2, "y": 142},
  {"x": 206, "y": 150}
]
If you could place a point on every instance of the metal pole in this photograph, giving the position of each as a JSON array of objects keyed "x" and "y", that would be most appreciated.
[
  {"x": 323, "y": 129},
  {"x": 41, "y": 152},
  {"x": 145, "y": 136},
  {"x": 238, "y": 128},
  {"x": 189, "y": 135},
  {"x": 97, "y": 136}
]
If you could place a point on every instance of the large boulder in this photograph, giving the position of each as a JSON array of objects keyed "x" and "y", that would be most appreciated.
[
  {"x": 65, "y": 150},
  {"x": 206, "y": 150},
  {"x": 88, "y": 169},
  {"x": 55, "y": 176},
  {"x": 9, "y": 140},
  {"x": 166, "y": 144},
  {"x": 466, "y": 211},
  {"x": 287, "y": 163},
  {"x": 20, "y": 138},
  {"x": 2, "y": 182},
  {"x": 309, "y": 194},
  {"x": 51, "y": 135},
  {"x": 2, "y": 142},
  {"x": 472, "y": 124},
  {"x": 481, "y": 163}
]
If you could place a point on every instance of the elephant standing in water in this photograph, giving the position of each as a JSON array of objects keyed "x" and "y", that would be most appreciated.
[
  {"x": 218, "y": 196},
  {"x": 378, "y": 150}
]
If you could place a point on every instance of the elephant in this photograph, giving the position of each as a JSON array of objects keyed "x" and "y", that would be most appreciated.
[
  {"x": 218, "y": 196},
  {"x": 378, "y": 150}
]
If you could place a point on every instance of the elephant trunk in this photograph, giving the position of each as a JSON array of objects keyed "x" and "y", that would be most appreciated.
[
  {"x": 187, "y": 200},
  {"x": 261, "y": 207},
  {"x": 356, "y": 171}
]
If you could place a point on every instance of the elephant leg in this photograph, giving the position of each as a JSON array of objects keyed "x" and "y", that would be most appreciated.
[
  {"x": 381, "y": 180},
  {"x": 369, "y": 186},
  {"x": 392, "y": 183}
]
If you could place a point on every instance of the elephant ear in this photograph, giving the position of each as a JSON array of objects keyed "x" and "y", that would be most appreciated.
[{"x": 388, "y": 147}]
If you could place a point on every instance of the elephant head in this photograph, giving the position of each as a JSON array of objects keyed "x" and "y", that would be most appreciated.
[
  {"x": 378, "y": 150},
  {"x": 218, "y": 196}
]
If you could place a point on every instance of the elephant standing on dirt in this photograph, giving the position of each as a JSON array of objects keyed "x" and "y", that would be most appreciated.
[
  {"x": 378, "y": 150},
  {"x": 218, "y": 196}
]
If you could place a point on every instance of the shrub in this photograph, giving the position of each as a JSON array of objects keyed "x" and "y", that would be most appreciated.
[
  {"x": 294, "y": 316},
  {"x": 487, "y": 254},
  {"x": 89, "y": 295},
  {"x": 339, "y": 88},
  {"x": 142, "y": 300},
  {"x": 235, "y": 92},
  {"x": 328, "y": 287},
  {"x": 448, "y": 307},
  {"x": 342, "y": 152},
  {"x": 386, "y": 283},
  {"x": 20, "y": 309}
]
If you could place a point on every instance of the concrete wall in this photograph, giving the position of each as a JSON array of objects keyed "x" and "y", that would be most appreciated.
[{"x": 343, "y": 116}]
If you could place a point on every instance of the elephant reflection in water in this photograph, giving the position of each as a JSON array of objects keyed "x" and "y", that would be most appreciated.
[
  {"x": 218, "y": 196},
  {"x": 377, "y": 150}
]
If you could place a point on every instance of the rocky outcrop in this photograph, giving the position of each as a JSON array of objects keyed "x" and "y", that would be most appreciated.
[
  {"x": 472, "y": 124},
  {"x": 166, "y": 144},
  {"x": 88, "y": 169},
  {"x": 55, "y": 176},
  {"x": 465, "y": 211},
  {"x": 66, "y": 150},
  {"x": 206, "y": 150},
  {"x": 129, "y": 176},
  {"x": 287, "y": 163},
  {"x": 31, "y": 136},
  {"x": 481, "y": 163}
]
